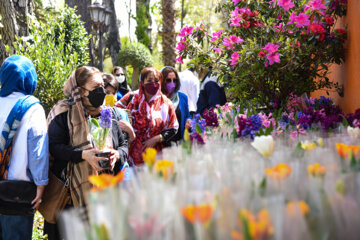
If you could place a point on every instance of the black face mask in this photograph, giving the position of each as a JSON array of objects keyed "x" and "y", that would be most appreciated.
[{"x": 96, "y": 97}]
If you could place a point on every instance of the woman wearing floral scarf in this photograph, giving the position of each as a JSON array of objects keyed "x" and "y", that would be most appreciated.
[{"x": 154, "y": 118}]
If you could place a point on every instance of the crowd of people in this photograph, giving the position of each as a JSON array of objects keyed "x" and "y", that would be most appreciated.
[{"x": 33, "y": 148}]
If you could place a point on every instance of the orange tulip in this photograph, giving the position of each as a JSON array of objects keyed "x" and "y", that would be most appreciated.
[
  {"x": 104, "y": 180},
  {"x": 279, "y": 171},
  {"x": 165, "y": 167},
  {"x": 316, "y": 170},
  {"x": 259, "y": 227},
  {"x": 198, "y": 213},
  {"x": 291, "y": 208},
  {"x": 343, "y": 149}
]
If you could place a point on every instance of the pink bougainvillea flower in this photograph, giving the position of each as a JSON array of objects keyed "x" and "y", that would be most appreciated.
[
  {"x": 235, "y": 22},
  {"x": 286, "y": 4},
  {"x": 271, "y": 48},
  {"x": 302, "y": 20},
  {"x": 218, "y": 50},
  {"x": 235, "y": 12},
  {"x": 315, "y": 5},
  {"x": 293, "y": 18},
  {"x": 216, "y": 35},
  {"x": 231, "y": 40},
  {"x": 180, "y": 47},
  {"x": 179, "y": 60},
  {"x": 273, "y": 58},
  {"x": 234, "y": 58},
  {"x": 236, "y": 1},
  {"x": 262, "y": 54},
  {"x": 185, "y": 31},
  {"x": 245, "y": 10},
  {"x": 235, "y": 39},
  {"x": 280, "y": 27},
  {"x": 329, "y": 20},
  {"x": 294, "y": 134}
]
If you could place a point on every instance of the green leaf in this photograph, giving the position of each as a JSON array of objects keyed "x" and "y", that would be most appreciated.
[{"x": 345, "y": 122}]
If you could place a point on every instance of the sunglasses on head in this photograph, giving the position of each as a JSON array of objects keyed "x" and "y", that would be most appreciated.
[{"x": 169, "y": 80}]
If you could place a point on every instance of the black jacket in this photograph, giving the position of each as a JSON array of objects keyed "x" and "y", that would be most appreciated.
[{"x": 62, "y": 152}]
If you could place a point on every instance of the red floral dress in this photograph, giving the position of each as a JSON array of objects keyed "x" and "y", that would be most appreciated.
[{"x": 149, "y": 119}]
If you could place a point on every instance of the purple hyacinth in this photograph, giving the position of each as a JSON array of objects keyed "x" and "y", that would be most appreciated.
[
  {"x": 211, "y": 118},
  {"x": 195, "y": 137},
  {"x": 253, "y": 125},
  {"x": 105, "y": 117}
]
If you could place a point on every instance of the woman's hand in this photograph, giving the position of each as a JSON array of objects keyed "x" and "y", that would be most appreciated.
[
  {"x": 150, "y": 143},
  {"x": 114, "y": 157},
  {"x": 89, "y": 156},
  {"x": 37, "y": 200},
  {"x": 126, "y": 127},
  {"x": 188, "y": 124}
]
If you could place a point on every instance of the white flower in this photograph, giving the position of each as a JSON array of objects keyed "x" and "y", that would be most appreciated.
[
  {"x": 264, "y": 145},
  {"x": 353, "y": 132}
]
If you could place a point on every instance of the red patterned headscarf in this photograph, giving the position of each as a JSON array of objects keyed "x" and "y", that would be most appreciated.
[{"x": 149, "y": 119}]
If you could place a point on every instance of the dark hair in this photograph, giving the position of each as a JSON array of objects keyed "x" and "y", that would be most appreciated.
[
  {"x": 165, "y": 72},
  {"x": 109, "y": 80},
  {"x": 83, "y": 74},
  {"x": 117, "y": 68},
  {"x": 146, "y": 71}
]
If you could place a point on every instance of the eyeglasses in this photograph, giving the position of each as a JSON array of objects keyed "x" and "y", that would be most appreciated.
[
  {"x": 120, "y": 74},
  {"x": 169, "y": 80}
]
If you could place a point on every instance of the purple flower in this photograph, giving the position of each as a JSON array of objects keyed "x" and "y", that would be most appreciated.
[
  {"x": 211, "y": 118},
  {"x": 195, "y": 137},
  {"x": 253, "y": 125},
  {"x": 105, "y": 117}
]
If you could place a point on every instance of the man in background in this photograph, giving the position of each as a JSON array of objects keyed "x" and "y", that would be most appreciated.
[{"x": 190, "y": 85}]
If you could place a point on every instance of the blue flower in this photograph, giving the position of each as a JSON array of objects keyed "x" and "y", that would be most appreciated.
[{"x": 105, "y": 117}]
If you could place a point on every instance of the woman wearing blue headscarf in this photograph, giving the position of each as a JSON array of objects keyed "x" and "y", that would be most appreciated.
[{"x": 24, "y": 153}]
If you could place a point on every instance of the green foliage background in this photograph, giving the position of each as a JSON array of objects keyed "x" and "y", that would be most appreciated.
[{"x": 57, "y": 46}]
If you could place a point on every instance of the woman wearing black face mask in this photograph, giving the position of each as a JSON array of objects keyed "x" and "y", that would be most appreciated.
[
  {"x": 70, "y": 142},
  {"x": 120, "y": 76}
]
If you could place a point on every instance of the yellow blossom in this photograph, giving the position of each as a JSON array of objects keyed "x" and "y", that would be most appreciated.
[
  {"x": 165, "y": 167},
  {"x": 280, "y": 171},
  {"x": 307, "y": 146},
  {"x": 316, "y": 170},
  {"x": 110, "y": 100},
  {"x": 149, "y": 157}
]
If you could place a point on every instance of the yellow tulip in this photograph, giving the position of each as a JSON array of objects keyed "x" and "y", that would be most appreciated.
[
  {"x": 165, "y": 167},
  {"x": 149, "y": 157}
]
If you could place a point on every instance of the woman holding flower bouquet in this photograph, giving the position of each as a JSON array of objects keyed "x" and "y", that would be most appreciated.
[
  {"x": 71, "y": 143},
  {"x": 154, "y": 118}
]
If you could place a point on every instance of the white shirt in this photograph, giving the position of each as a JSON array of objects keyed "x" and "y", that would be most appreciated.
[
  {"x": 32, "y": 127},
  {"x": 190, "y": 86}
]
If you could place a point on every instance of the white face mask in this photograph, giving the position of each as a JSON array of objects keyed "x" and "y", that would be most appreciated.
[{"x": 120, "y": 79}]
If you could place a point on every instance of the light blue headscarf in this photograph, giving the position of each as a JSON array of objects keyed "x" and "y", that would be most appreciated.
[{"x": 17, "y": 74}]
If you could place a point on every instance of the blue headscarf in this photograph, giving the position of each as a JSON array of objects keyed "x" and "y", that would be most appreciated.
[{"x": 17, "y": 74}]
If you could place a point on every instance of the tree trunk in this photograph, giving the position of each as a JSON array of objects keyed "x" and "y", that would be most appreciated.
[
  {"x": 82, "y": 10},
  {"x": 135, "y": 79},
  {"x": 14, "y": 18},
  {"x": 113, "y": 42},
  {"x": 168, "y": 34}
]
